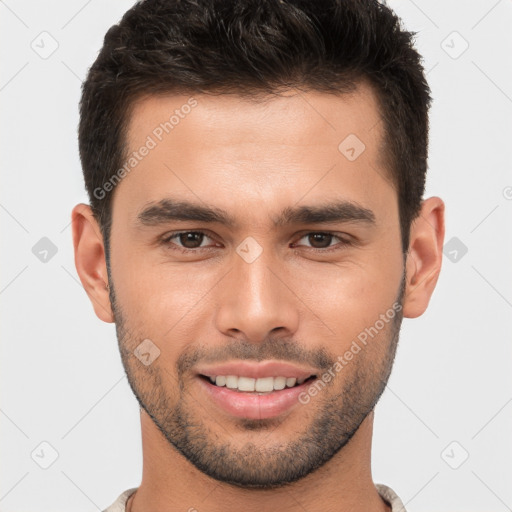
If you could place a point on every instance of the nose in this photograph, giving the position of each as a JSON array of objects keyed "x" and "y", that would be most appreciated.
[{"x": 256, "y": 300}]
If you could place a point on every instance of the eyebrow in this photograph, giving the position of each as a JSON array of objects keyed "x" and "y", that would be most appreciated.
[{"x": 168, "y": 210}]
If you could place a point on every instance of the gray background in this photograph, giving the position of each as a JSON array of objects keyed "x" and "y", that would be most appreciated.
[{"x": 62, "y": 382}]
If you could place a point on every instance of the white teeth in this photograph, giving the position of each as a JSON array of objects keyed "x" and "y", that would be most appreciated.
[
  {"x": 261, "y": 385},
  {"x": 220, "y": 380},
  {"x": 232, "y": 382},
  {"x": 290, "y": 382},
  {"x": 246, "y": 384},
  {"x": 265, "y": 384},
  {"x": 279, "y": 383}
]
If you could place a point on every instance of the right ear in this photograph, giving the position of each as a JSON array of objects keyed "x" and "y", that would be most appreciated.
[{"x": 90, "y": 260}]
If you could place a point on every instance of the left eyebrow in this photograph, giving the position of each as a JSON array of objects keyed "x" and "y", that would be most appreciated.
[
  {"x": 337, "y": 211},
  {"x": 168, "y": 210}
]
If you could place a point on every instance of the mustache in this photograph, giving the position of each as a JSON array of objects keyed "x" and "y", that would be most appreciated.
[{"x": 272, "y": 348}]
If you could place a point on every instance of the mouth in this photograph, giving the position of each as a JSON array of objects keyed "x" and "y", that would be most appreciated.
[
  {"x": 255, "y": 390},
  {"x": 256, "y": 386}
]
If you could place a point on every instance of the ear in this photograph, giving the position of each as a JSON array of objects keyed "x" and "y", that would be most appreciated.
[
  {"x": 90, "y": 260},
  {"x": 424, "y": 257}
]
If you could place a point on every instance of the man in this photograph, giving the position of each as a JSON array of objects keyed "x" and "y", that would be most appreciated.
[{"x": 257, "y": 231}]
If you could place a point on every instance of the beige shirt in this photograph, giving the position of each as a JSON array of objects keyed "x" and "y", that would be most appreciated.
[{"x": 386, "y": 492}]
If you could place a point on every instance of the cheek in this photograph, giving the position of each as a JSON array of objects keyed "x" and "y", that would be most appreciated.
[
  {"x": 350, "y": 297},
  {"x": 144, "y": 282},
  {"x": 162, "y": 302}
]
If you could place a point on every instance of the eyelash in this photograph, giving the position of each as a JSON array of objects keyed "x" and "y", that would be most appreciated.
[{"x": 166, "y": 240}]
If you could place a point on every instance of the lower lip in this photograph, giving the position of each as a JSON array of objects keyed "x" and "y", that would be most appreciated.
[{"x": 251, "y": 405}]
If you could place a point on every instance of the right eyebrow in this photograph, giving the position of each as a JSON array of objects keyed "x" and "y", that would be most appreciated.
[{"x": 168, "y": 210}]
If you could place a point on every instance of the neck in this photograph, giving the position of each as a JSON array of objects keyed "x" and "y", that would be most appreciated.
[{"x": 171, "y": 483}]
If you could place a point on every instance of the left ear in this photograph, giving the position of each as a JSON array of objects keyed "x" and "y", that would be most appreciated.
[{"x": 425, "y": 257}]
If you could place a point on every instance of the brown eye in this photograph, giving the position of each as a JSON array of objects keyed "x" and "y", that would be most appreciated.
[
  {"x": 186, "y": 241},
  {"x": 191, "y": 239},
  {"x": 320, "y": 240}
]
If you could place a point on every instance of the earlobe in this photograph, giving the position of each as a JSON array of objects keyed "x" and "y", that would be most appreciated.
[
  {"x": 90, "y": 260},
  {"x": 425, "y": 257}
]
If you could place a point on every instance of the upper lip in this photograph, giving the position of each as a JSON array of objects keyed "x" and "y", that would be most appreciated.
[{"x": 257, "y": 370}]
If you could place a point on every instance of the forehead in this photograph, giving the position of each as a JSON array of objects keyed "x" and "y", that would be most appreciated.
[
  {"x": 293, "y": 116},
  {"x": 282, "y": 147}
]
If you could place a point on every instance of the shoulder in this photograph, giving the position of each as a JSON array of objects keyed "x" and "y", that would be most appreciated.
[
  {"x": 120, "y": 504},
  {"x": 391, "y": 497}
]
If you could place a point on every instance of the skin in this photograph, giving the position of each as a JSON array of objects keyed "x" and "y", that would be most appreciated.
[{"x": 254, "y": 159}]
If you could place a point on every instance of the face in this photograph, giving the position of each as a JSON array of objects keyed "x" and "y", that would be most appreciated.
[{"x": 257, "y": 277}]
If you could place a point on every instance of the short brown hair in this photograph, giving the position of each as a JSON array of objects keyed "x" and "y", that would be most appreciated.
[{"x": 251, "y": 47}]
